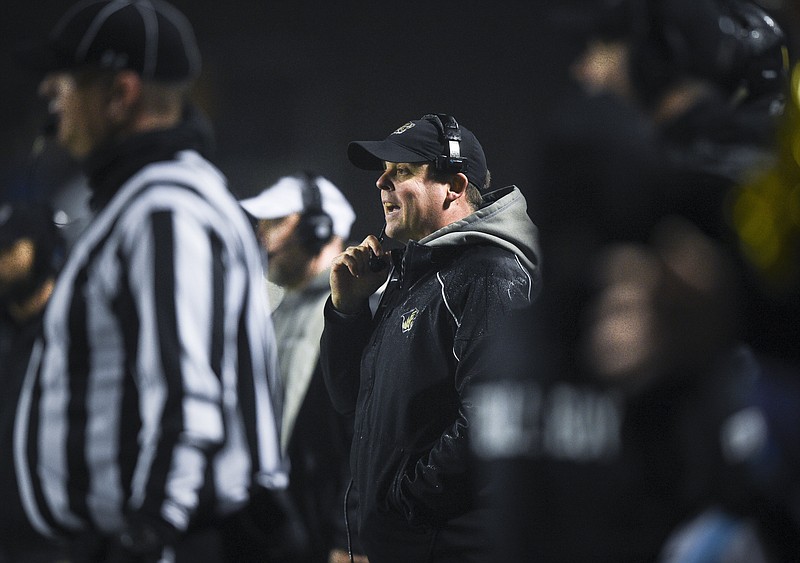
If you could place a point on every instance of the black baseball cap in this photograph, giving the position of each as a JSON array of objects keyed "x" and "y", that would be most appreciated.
[
  {"x": 423, "y": 140},
  {"x": 150, "y": 37}
]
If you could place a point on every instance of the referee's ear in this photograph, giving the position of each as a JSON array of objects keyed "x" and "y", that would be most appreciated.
[{"x": 124, "y": 100}]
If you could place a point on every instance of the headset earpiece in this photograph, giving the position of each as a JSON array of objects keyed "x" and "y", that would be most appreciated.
[
  {"x": 315, "y": 228},
  {"x": 450, "y": 136}
]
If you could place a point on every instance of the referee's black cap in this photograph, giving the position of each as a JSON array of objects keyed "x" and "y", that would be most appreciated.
[{"x": 151, "y": 37}]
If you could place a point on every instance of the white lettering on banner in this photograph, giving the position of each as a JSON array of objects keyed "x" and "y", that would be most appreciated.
[
  {"x": 520, "y": 419},
  {"x": 506, "y": 416},
  {"x": 581, "y": 424}
]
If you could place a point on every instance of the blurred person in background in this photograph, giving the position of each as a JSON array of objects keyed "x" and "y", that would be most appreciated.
[
  {"x": 148, "y": 419},
  {"x": 302, "y": 223},
  {"x": 713, "y": 78},
  {"x": 31, "y": 253},
  {"x": 631, "y": 397}
]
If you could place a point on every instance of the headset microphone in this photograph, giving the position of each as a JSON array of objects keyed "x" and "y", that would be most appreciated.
[
  {"x": 47, "y": 131},
  {"x": 378, "y": 263},
  {"x": 50, "y": 127}
]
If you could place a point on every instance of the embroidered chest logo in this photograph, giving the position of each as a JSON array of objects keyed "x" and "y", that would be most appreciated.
[{"x": 408, "y": 319}]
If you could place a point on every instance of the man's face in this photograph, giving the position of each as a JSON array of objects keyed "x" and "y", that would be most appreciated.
[
  {"x": 288, "y": 261},
  {"x": 80, "y": 103},
  {"x": 413, "y": 203}
]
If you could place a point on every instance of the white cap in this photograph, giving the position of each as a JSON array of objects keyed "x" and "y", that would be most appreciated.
[{"x": 286, "y": 197}]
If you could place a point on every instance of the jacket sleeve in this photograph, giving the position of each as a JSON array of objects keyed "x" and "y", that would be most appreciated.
[
  {"x": 175, "y": 274},
  {"x": 343, "y": 339},
  {"x": 440, "y": 485}
]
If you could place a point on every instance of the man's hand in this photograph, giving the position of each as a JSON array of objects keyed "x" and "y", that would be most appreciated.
[{"x": 352, "y": 280}]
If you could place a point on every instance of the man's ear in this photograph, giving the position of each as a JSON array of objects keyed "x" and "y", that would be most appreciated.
[
  {"x": 126, "y": 91},
  {"x": 457, "y": 186}
]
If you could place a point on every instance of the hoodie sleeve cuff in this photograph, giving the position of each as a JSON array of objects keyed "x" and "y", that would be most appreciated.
[{"x": 335, "y": 316}]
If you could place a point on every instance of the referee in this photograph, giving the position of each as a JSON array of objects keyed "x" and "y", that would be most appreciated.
[{"x": 147, "y": 414}]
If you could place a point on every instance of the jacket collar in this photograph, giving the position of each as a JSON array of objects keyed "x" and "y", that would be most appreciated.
[
  {"x": 417, "y": 259},
  {"x": 110, "y": 166}
]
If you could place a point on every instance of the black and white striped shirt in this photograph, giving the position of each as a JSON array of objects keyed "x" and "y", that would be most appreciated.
[{"x": 154, "y": 383}]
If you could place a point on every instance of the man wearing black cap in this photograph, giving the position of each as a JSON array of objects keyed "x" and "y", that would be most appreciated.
[
  {"x": 469, "y": 258},
  {"x": 149, "y": 410}
]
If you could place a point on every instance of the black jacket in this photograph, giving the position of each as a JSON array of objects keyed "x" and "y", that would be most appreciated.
[{"x": 406, "y": 371}]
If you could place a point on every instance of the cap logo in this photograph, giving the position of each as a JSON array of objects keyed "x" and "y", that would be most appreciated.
[{"x": 404, "y": 128}]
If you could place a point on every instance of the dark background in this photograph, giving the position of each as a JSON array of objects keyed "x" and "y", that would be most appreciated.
[{"x": 288, "y": 84}]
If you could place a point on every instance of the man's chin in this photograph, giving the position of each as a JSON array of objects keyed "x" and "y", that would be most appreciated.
[
  {"x": 77, "y": 153},
  {"x": 395, "y": 232}
]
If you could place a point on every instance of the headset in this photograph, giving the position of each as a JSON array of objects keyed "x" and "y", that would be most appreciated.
[
  {"x": 450, "y": 136},
  {"x": 315, "y": 228}
]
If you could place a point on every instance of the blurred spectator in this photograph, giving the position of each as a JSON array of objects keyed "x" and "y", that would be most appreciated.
[
  {"x": 767, "y": 233},
  {"x": 31, "y": 253},
  {"x": 303, "y": 222},
  {"x": 635, "y": 430},
  {"x": 148, "y": 420}
]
